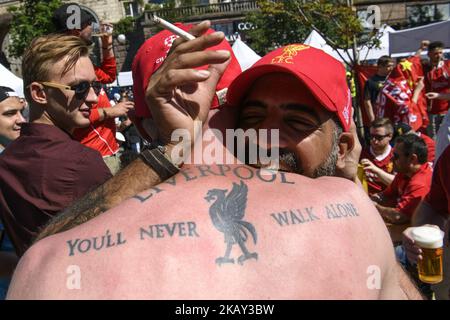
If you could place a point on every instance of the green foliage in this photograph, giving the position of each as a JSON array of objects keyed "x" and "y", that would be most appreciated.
[
  {"x": 283, "y": 22},
  {"x": 124, "y": 26},
  {"x": 338, "y": 21},
  {"x": 153, "y": 7},
  {"x": 275, "y": 26},
  {"x": 32, "y": 18}
]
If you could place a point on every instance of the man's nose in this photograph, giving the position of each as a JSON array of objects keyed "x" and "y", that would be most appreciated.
[
  {"x": 92, "y": 96},
  {"x": 20, "y": 119},
  {"x": 271, "y": 138}
]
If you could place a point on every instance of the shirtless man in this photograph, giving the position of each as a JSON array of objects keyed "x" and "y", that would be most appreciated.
[{"x": 170, "y": 244}]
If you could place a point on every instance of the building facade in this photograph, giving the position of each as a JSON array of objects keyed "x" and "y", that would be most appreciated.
[
  {"x": 229, "y": 16},
  {"x": 226, "y": 15},
  {"x": 102, "y": 10}
]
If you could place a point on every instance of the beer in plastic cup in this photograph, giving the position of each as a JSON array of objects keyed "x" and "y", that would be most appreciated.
[
  {"x": 431, "y": 241},
  {"x": 362, "y": 177}
]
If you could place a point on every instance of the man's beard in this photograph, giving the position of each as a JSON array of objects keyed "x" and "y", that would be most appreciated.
[{"x": 288, "y": 162}]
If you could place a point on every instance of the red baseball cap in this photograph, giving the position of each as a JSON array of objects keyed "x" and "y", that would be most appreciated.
[
  {"x": 152, "y": 54},
  {"x": 323, "y": 75}
]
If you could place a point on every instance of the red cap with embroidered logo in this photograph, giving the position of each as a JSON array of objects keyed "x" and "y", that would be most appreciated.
[
  {"x": 152, "y": 54},
  {"x": 323, "y": 75}
]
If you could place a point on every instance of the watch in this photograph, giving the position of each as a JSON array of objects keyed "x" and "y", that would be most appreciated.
[{"x": 155, "y": 156}]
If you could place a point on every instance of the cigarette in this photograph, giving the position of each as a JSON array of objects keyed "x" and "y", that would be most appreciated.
[{"x": 168, "y": 26}]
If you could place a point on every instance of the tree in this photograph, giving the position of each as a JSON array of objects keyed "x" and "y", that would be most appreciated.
[
  {"x": 32, "y": 18},
  {"x": 278, "y": 23},
  {"x": 274, "y": 26},
  {"x": 125, "y": 25}
]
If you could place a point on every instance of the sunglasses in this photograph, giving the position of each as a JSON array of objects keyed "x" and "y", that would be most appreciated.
[
  {"x": 81, "y": 89},
  {"x": 378, "y": 137}
]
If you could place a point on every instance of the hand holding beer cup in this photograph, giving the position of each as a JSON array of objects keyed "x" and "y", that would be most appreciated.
[
  {"x": 424, "y": 246},
  {"x": 413, "y": 251}
]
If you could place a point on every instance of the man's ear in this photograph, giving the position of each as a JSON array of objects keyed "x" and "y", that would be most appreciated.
[
  {"x": 346, "y": 144},
  {"x": 37, "y": 93},
  {"x": 414, "y": 159}
]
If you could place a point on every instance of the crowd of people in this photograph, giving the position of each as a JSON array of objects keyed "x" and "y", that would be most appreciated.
[
  {"x": 406, "y": 103},
  {"x": 100, "y": 183}
]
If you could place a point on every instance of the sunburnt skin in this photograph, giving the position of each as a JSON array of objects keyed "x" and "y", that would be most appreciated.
[{"x": 325, "y": 257}]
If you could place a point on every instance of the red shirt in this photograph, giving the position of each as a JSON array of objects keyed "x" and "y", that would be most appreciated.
[
  {"x": 107, "y": 72},
  {"x": 41, "y": 173},
  {"x": 408, "y": 192},
  {"x": 384, "y": 163},
  {"x": 439, "y": 196},
  {"x": 100, "y": 135},
  {"x": 431, "y": 146},
  {"x": 438, "y": 80}
]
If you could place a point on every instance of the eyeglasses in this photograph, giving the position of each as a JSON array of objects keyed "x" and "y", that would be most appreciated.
[
  {"x": 378, "y": 137},
  {"x": 81, "y": 89}
]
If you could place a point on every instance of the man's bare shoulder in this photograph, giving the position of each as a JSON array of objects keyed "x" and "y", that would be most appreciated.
[
  {"x": 30, "y": 277},
  {"x": 282, "y": 221}
]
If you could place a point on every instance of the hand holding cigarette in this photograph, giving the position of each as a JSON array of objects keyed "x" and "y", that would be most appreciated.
[
  {"x": 173, "y": 28},
  {"x": 177, "y": 93}
]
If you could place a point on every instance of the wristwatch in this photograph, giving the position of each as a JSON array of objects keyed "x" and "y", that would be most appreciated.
[{"x": 155, "y": 156}]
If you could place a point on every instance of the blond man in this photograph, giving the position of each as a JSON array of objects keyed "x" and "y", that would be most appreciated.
[{"x": 45, "y": 170}]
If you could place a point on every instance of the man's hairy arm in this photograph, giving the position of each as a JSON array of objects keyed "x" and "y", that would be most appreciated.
[
  {"x": 408, "y": 286},
  {"x": 135, "y": 178},
  {"x": 392, "y": 215}
]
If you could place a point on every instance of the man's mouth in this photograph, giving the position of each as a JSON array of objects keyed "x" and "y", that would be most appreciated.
[
  {"x": 86, "y": 112},
  {"x": 287, "y": 161}
]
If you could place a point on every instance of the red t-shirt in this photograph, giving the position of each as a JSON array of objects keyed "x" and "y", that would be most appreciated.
[
  {"x": 438, "y": 80},
  {"x": 439, "y": 196},
  {"x": 408, "y": 192},
  {"x": 385, "y": 163},
  {"x": 107, "y": 72},
  {"x": 100, "y": 135},
  {"x": 431, "y": 146}
]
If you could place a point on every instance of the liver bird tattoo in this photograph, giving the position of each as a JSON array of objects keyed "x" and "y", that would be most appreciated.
[{"x": 227, "y": 213}]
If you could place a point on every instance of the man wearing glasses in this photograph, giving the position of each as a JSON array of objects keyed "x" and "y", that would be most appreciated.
[
  {"x": 100, "y": 135},
  {"x": 411, "y": 184},
  {"x": 377, "y": 158},
  {"x": 45, "y": 170}
]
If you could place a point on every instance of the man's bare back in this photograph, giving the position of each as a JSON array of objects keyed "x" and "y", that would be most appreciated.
[{"x": 289, "y": 237}]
